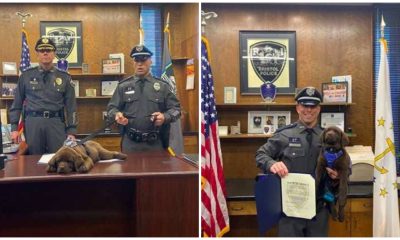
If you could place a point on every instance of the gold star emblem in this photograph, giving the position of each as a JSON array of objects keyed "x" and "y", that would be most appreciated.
[
  {"x": 381, "y": 122},
  {"x": 395, "y": 185},
  {"x": 383, "y": 192}
]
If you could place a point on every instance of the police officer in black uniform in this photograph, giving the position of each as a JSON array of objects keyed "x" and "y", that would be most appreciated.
[
  {"x": 47, "y": 97},
  {"x": 295, "y": 149},
  {"x": 143, "y": 106}
]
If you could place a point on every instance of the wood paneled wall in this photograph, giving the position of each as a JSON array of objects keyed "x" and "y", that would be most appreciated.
[
  {"x": 107, "y": 28},
  {"x": 331, "y": 40}
]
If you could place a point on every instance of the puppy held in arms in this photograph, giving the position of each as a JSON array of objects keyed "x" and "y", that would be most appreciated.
[
  {"x": 333, "y": 155},
  {"x": 80, "y": 157}
]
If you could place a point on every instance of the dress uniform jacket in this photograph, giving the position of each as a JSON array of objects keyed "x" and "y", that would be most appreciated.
[
  {"x": 138, "y": 98},
  {"x": 41, "y": 92}
]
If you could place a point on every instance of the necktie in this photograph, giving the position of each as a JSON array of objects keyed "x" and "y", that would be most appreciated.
[
  {"x": 309, "y": 136},
  {"x": 141, "y": 85},
  {"x": 45, "y": 76}
]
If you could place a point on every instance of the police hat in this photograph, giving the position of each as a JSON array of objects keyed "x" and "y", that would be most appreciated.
[
  {"x": 45, "y": 43},
  {"x": 141, "y": 52},
  {"x": 308, "y": 96}
]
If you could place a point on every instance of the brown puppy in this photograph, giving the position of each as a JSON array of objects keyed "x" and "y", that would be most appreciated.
[
  {"x": 334, "y": 155},
  {"x": 80, "y": 158}
]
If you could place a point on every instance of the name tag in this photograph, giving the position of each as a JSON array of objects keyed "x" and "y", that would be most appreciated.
[
  {"x": 294, "y": 142},
  {"x": 130, "y": 92}
]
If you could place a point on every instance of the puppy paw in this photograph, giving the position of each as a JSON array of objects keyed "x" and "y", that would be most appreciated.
[
  {"x": 120, "y": 155},
  {"x": 82, "y": 169},
  {"x": 51, "y": 168}
]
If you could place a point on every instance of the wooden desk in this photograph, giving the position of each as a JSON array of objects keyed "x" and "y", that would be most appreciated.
[{"x": 149, "y": 194}]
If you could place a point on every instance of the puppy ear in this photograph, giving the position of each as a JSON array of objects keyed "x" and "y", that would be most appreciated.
[{"x": 344, "y": 138}]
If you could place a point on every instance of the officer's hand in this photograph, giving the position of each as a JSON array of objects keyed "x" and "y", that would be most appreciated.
[
  {"x": 14, "y": 136},
  {"x": 279, "y": 168},
  {"x": 120, "y": 119},
  {"x": 158, "y": 118},
  {"x": 332, "y": 173}
]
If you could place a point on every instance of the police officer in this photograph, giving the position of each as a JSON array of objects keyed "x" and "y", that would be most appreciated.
[
  {"x": 44, "y": 93},
  {"x": 295, "y": 148},
  {"x": 144, "y": 106}
]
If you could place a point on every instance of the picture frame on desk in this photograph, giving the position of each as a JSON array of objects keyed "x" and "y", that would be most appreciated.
[
  {"x": 67, "y": 36},
  {"x": 334, "y": 92},
  {"x": 333, "y": 119},
  {"x": 267, "y": 56},
  {"x": 258, "y": 121},
  {"x": 111, "y": 65}
]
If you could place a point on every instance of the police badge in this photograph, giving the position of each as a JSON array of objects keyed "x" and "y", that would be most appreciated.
[
  {"x": 58, "y": 81},
  {"x": 268, "y": 91}
]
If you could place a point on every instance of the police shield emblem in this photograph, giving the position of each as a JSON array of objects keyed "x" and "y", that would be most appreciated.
[
  {"x": 65, "y": 41},
  {"x": 157, "y": 86},
  {"x": 59, "y": 81},
  {"x": 268, "y": 91},
  {"x": 268, "y": 59}
]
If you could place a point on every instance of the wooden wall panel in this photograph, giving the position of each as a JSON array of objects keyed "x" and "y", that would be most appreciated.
[
  {"x": 107, "y": 28},
  {"x": 331, "y": 40}
]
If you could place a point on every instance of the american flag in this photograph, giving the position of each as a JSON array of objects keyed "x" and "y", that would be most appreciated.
[
  {"x": 214, "y": 211},
  {"x": 25, "y": 56}
]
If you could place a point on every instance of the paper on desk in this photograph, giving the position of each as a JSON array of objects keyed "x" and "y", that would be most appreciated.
[
  {"x": 298, "y": 195},
  {"x": 46, "y": 158}
]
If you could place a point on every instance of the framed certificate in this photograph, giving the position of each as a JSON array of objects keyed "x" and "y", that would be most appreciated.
[
  {"x": 9, "y": 68},
  {"x": 333, "y": 119},
  {"x": 229, "y": 95}
]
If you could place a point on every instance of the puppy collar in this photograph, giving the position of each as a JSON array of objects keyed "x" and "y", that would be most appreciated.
[{"x": 331, "y": 157}]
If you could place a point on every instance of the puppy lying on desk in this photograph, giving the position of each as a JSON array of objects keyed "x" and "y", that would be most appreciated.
[
  {"x": 333, "y": 155},
  {"x": 80, "y": 157}
]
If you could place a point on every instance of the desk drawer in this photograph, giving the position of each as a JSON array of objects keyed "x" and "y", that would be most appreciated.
[
  {"x": 237, "y": 208},
  {"x": 361, "y": 204}
]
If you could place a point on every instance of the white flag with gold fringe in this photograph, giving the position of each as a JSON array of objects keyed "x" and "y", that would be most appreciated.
[{"x": 386, "y": 208}]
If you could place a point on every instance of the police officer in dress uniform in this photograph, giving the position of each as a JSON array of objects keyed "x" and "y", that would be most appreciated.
[
  {"x": 143, "y": 106},
  {"x": 44, "y": 93},
  {"x": 295, "y": 148}
]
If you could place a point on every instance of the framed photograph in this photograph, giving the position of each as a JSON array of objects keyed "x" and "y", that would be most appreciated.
[
  {"x": 9, "y": 68},
  {"x": 334, "y": 92},
  {"x": 333, "y": 119},
  {"x": 267, "y": 121},
  {"x": 267, "y": 56},
  {"x": 67, "y": 36},
  {"x": 229, "y": 95},
  {"x": 112, "y": 65}
]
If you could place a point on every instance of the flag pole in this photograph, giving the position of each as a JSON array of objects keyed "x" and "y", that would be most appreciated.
[{"x": 141, "y": 32}]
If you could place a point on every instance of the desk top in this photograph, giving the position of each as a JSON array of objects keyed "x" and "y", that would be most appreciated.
[{"x": 137, "y": 165}]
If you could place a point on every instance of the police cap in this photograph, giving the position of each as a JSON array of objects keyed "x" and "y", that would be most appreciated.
[
  {"x": 141, "y": 53},
  {"x": 45, "y": 43},
  {"x": 308, "y": 96}
]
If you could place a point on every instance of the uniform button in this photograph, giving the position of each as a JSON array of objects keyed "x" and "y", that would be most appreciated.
[
  {"x": 129, "y": 99},
  {"x": 293, "y": 154}
]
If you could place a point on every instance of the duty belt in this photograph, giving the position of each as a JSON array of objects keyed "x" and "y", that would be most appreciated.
[
  {"x": 138, "y": 136},
  {"x": 44, "y": 114}
]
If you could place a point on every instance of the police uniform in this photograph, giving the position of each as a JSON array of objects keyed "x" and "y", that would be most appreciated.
[
  {"x": 137, "y": 98},
  {"x": 298, "y": 147},
  {"x": 43, "y": 96}
]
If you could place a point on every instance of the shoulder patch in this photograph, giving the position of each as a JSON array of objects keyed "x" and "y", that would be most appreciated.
[
  {"x": 30, "y": 69},
  {"x": 292, "y": 125}
]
